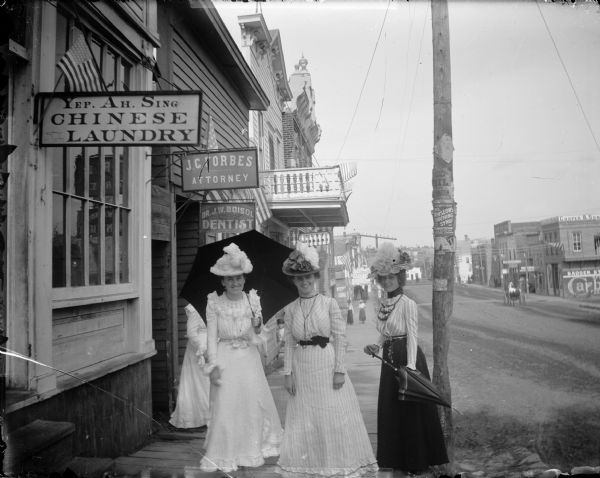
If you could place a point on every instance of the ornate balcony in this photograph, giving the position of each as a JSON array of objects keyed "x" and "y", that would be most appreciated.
[{"x": 307, "y": 197}]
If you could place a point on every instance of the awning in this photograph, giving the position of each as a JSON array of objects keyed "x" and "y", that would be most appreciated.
[{"x": 255, "y": 195}]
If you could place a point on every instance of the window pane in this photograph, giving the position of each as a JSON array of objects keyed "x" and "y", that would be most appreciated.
[
  {"x": 59, "y": 250},
  {"x": 109, "y": 245},
  {"x": 123, "y": 177},
  {"x": 61, "y": 47},
  {"x": 76, "y": 171},
  {"x": 77, "y": 245},
  {"x": 95, "y": 245},
  {"x": 58, "y": 169},
  {"x": 124, "y": 246},
  {"x": 97, "y": 52},
  {"x": 110, "y": 71},
  {"x": 95, "y": 177},
  {"x": 125, "y": 75},
  {"x": 109, "y": 177}
]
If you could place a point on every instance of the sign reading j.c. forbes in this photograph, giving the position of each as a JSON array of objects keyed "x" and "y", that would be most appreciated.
[
  {"x": 223, "y": 169},
  {"x": 228, "y": 217},
  {"x": 142, "y": 118}
]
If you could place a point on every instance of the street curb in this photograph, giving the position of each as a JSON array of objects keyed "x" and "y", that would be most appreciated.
[{"x": 590, "y": 306}]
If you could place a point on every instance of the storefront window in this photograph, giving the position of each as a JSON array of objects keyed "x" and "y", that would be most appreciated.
[{"x": 91, "y": 189}]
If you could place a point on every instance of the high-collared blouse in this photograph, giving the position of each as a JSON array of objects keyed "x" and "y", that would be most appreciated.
[
  {"x": 403, "y": 320},
  {"x": 230, "y": 320},
  {"x": 317, "y": 316}
]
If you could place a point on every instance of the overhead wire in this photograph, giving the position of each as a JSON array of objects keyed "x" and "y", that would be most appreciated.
[
  {"x": 410, "y": 105},
  {"x": 564, "y": 67},
  {"x": 365, "y": 79}
]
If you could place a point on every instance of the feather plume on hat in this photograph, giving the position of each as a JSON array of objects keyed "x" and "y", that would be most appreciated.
[
  {"x": 389, "y": 260},
  {"x": 234, "y": 262},
  {"x": 303, "y": 260}
]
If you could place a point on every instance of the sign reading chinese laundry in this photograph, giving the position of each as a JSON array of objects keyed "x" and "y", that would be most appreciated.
[
  {"x": 143, "y": 118},
  {"x": 223, "y": 169},
  {"x": 227, "y": 217}
]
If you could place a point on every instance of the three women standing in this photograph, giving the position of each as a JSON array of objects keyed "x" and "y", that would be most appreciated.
[
  {"x": 409, "y": 434},
  {"x": 244, "y": 426},
  {"x": 324, "y": 430}
]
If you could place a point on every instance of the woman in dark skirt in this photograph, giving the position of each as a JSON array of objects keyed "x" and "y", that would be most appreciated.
[{"x": 409, "y": 434}]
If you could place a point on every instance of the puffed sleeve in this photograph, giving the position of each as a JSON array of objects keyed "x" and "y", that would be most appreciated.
[
  {"x": 212, "y": 331},
  {"x": 289, "y": 342},
  {"x": 338, "y": 334},
  {"x": 412, "y": 323},
  {"x": 196, "y": 331}
]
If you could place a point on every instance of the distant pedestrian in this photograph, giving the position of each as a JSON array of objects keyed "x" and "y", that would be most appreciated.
[
  {"x": 362, "y": 314},
  {"x": 324, "y": 433},
  {"x": 244, "y": 427},
  {"x": 409, "y": 434},
  {"x": 191, "y": 410},
  {"x": 350, "y": 316}
]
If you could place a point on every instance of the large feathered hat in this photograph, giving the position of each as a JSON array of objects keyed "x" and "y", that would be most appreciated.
[
  {"x": 301, "y": 261},
  {"x": 233, "y": 263},
  {"x": 389, "y": 260}
]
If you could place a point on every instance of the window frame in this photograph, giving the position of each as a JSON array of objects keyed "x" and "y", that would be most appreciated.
[
  {"x": 576, "y": 242},
  {"x": 68, "y": 295}
]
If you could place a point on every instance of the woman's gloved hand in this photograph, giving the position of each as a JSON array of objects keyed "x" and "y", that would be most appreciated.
[
  {"x": 290, "y": 384},
  {"x": 371, "y": 349}
]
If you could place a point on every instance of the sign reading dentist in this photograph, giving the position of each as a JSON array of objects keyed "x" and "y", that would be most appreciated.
[
  {"x": 223, "y": 169},
  {"x": 148, "y": 118}
]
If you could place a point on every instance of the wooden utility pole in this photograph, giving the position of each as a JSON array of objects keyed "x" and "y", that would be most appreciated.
[{"x": 444, "y": 211}]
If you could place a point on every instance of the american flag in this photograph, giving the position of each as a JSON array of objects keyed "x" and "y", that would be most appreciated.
[
  {"x": 212, "y": 137},
  {"x": 79, "y": 68}
]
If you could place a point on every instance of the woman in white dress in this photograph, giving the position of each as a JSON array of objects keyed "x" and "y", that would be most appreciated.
[
  {"x": 324, "y": 430},
  {"x": 191, "y": 410},
  {"x": 244, "y": 427}
]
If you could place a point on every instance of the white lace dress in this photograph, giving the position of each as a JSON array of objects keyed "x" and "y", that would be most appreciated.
[
  {"x": 244, "y": 426},
  {"x": 191, "y": 410},
  {"x": 324, "y": 430}
]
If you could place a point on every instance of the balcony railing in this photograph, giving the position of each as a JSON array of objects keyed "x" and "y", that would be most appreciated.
[{"x": 304, "y": 183}]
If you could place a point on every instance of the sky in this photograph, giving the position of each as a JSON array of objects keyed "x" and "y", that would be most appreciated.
[{"x": 525, "y": 106}]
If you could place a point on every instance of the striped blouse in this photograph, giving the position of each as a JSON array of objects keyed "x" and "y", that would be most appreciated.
[
  {"x": 403, "y": 320},
  {"x": 323, "y": 317}
]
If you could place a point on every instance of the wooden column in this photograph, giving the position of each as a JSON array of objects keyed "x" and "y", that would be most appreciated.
[{"x": 444, "y": 211}]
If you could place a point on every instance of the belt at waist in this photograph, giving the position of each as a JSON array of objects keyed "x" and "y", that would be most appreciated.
[
  {"x": 393, "y": 338},
  {"x": 316, "y": 340}
]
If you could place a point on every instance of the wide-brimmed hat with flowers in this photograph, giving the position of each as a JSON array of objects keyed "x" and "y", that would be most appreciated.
[
  {"x": 233, "y": 263},
  {"x": 301, "y": 261},
  {"x": 389, "y": 260}
]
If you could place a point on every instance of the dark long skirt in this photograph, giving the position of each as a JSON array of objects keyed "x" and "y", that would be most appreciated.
[
  {"x": 350, "y": 317},
  {"x": 409, "y": 434}
]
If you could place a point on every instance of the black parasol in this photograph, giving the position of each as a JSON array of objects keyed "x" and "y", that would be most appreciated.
[
  {"x": 414, "y": 386},
  {"x": 266, "y": 255}
]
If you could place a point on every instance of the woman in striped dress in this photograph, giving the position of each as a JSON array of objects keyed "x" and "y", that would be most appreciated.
[
  {"x": 324, "y": 433},
  {"x": 409, "y": 434}
]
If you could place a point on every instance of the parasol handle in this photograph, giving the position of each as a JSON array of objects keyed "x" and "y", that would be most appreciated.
[
  {"x": 385, "y": 362},
  {"x": 402, "y": 380}
]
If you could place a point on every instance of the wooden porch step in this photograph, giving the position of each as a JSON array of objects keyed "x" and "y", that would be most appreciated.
[
  {"x": 90, "y": 467},
  {"x": 40, "y": 446}
]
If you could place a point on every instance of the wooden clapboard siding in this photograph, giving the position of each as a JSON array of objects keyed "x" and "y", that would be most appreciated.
[
  {"x": 193, "y": 68},
  {"x": 163, "y": 370},
  {"x": 161, "y": 213},
  {"x": 188, "y": 241},
  {"x": 112, "y": 415},
  {"x": 83, "y": 336},
  {"x": 137, "y": 9}
]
